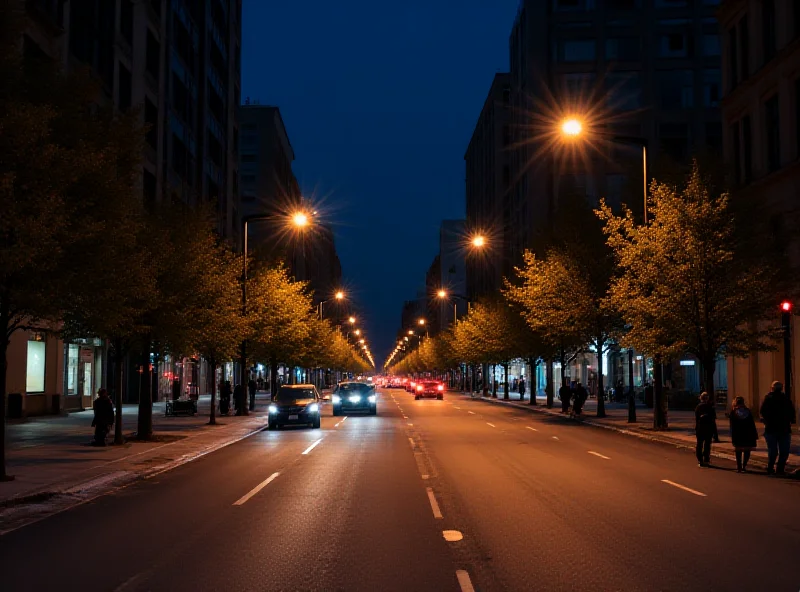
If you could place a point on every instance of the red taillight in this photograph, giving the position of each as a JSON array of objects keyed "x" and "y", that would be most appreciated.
[
  {"x": 440, "y": 387},
  {"x": 419, "y": 388}
]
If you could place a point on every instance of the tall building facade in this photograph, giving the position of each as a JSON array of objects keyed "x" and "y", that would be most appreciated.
[
  {"x": 488, "y": 184},
  {"x": 646, "y": 70},
  {"x": 453, "y": 243},
  {"x": 761, "y": 116}
]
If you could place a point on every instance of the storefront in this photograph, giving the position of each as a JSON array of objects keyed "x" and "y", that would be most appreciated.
[{"x": 83, "y": 372}]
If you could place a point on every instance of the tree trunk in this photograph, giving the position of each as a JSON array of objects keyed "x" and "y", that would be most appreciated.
[
  {"x": 494, "y": 382},
  {"x": 549, "y": 388},
  {"x": 659, "y": 417},
  {"x": 118, "y": 378},
  {"x": 273, "y": 377},
  {"x": 144, "y": 429},
  {"x": 4, "y": 342},
  {"x": 601, "y": 403},
  {"x": 506, "y": 394},
  {"x": 244, "y": 374},
  {"x": 484, "y": 382},
  {"x": 212, "y": 415}
]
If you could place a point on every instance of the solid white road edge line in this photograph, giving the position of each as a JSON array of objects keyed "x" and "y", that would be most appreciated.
[
  {"x": 598, "y": 454},
  {"x": 437, "y": 513},
  {"x": 256, "y": 489},
  {"x": 679, "y": 486},
  {"x": 463, "y": 580},
  {"x": 312, "y": 447},
  {"x": 491, "y": 424}
]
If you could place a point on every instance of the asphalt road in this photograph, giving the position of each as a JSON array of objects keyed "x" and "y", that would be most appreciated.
[{"x": 538, "y": 504}]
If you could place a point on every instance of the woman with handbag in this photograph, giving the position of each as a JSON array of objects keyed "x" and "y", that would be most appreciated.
[{"x": 743, "y": 433}]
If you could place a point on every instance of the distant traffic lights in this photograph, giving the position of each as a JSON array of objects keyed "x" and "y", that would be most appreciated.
[{"x": 786, "y": 314}]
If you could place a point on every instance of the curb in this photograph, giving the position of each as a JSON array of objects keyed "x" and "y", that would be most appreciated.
[
  {"x": 29, "y": 508},
  {"x": 636, "y": 434}
]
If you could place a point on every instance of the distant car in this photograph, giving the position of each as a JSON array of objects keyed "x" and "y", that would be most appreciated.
[
  {"x": 429, "y": 388},
  {"x": 411, "y": 386},
  {"x": 355, "y": 396},
  {"x": 295, "y": 404}
]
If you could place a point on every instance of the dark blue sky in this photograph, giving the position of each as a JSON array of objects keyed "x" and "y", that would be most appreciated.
[{"x": 379, "y": 100}]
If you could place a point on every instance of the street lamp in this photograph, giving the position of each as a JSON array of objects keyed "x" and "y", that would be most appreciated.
[
  {"x": 338, "y": 296},
  {"x": 352, "y": 320},
  {"x": 571, "y": 127},
  {"x": 300, "y": 219},
  {"x": 479, "y": 241}
]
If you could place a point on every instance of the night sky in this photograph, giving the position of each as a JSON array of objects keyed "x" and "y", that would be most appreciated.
[{"x": 379, "y": 101}]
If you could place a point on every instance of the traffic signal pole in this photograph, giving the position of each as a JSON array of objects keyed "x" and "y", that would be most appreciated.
[{"x": 786, "y": 325}]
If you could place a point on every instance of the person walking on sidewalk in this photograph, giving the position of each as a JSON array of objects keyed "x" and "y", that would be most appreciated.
[
  {"x": 581, "y": 394},
  {"x": 777, "y": 413},
  {"x": 251, "y": 387},
  {"x": 565, "y": 394},
  {"x": 743, "y": 433},
  {"x": 521, "y": 389},
  {"x": 705, "y": 424},
  {"x": 103, "y": 417}
]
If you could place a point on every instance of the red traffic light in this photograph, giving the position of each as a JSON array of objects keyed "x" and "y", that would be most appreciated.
[{"x": 786, "y": 306}]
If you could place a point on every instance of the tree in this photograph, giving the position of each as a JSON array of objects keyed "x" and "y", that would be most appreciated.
[{"x": 683, "y": 287}]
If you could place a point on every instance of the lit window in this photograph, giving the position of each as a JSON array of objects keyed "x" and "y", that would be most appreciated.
[{"x": 34, "y": 380}]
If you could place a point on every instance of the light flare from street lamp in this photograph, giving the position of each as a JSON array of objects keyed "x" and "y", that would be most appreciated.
[
  {"x": 478, "y": 241},
  {"x": 352, "y": 320},
  {"x": 300, "y": 219},
  {"x": 441, "y": 294},
  {"x": 422, "y": 321},
  {"x": 339, "y": 295},
  {"x": 358, "y": 331},
  {"x": 571, "y": 127}
]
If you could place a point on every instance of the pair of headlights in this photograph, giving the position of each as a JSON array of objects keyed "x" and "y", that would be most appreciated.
[
  {"x": 336, "y": 399},
  {"x": 312, "y": 408}
]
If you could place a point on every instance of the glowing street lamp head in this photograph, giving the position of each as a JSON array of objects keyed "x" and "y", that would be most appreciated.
[
  {"x": 339, "y": 295},
  {"x": 410, "y": 333},
  {"x": 478, "y": 241},
  {"x": 361, "y": 341},
  {"x": 441, "y": 294},
  {"x": 352, "y": 320},
  {"x": 571, "y": 127},
  {"x": 358, "y": 331},
  {"x": 422, "y": 321},
  {"x": 300, "y": 219}
]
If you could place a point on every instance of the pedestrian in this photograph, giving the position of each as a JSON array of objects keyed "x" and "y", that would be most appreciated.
[
  {"x": 521, "y": 389},
  {"x": 581, "y": 394},
  {"x": 743, "y": 433},
  {"x": 238, "y": 399},
  {"x": 225, "y": 398},
  {"x": 778, "y": 414},
  {"x": 705, "y": 424},
  {"x": 103, "y": 417},
  {"x": 565, "y": 394},
  {"x": 251, "y": 387}
]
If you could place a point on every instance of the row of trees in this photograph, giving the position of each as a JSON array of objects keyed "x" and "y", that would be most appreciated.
[
  {"x": 83, "y": 255},
  {"x": 700, "y": 278}
]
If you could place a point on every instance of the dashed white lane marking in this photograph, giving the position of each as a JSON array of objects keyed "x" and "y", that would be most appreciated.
[
  {"x": 411, "y": 424},
  {"x": 312, "y": 447},
  {"x": 256, "y": 489},
  {"x": 425, "y": 476},
  {"x": 463, "y": 580},
  {"x": 437, "y": 513},
  {"x": 683, "y": 487},
  {"x": 344, "y": 419},
  {"x": 454, "y": 407},
  {"x": 530, "y": 428},
  {"x": 411, "y": 441},
  {"x": 452, "y": 536},
  {"x": 598, "y": 454},
  {"x": 515, "y": 419},
  {"x": 491, "y": 424},
  {"x": 555, "y": 437},
  {"x": 471, "y": 412},
  {"x": 405, "y": 417}
]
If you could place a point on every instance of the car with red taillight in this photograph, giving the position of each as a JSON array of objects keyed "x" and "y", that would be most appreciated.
[{"x": 429, "y": 389}]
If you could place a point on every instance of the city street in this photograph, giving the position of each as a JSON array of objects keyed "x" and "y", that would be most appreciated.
[{"x": 365, "y": 503}]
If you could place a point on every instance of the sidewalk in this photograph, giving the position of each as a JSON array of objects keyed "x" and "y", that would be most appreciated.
[
  {"x": 55, "y": 467},
  {"x": 680, "y": 432}
]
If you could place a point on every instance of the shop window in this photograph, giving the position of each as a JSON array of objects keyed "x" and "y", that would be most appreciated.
[
  {"x": 34, "y": 379},
  {"x": 71, "y": 386}
]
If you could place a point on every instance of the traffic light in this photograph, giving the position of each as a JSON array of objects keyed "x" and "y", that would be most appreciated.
[{"x": 786, "y": 314}]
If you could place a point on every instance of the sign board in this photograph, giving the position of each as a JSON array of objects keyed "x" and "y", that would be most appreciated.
[{"x": 87, "y": 355}]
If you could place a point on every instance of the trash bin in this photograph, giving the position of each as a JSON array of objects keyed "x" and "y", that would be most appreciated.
[{"x": 14, "y": 405}]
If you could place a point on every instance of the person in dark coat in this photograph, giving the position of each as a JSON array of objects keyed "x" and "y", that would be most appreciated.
[
  {"x": 705, "y": 424},
  {"x": 743, "y": 433},
  {"x": 565, "y": 394},
  {"x": 238, "y": 399},
  {"x": 777, "y": 413},
  {"x": 103, "y": 417},
  {"x": 225, "y": 398},
  {"x": 251, "y": 387},
  {"x": 521, "y": 387},
  {"x": 581, "y": 394}
]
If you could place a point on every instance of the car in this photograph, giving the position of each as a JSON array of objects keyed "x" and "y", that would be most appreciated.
[
  {"x": 355, "y": 396},
  {"x": 429, "y": 388},
  {"x": 295, "y": 404},
  {"x": 411, "y": 386}
]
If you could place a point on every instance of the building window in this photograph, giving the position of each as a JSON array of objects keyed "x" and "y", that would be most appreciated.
[
  {"x": 34, "y": 378},
  {"x": 711, "y": 45},
  {"x": 71, "y": 387},
  {"x": 623, "y": 4},
  {"x": 152, "y": 55},
  {"x": 126, "y": 21},
  {"x": 768, "y": 28},
  {"x": 744, "y": 50},
  {"x": 151, "y": 121},
  {"x": 675, "y": 45},
  {"x": 576, "y": 50},
  {"x": 248, "y": 158},
  {"x": 772, "y": 127},
  {"x": 711, "y": 87},
  {"x": 676, "y": 88},
  {"x": 674, "y": 138},
  {"x": 623, "y": 49},
  {"x": 747, "y": 146},
  {"x": 248, "y": 179},
  {"x": 623, "y": 90}
]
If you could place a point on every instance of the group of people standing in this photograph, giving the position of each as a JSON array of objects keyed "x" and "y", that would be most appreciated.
[
  {"x": 239, "y": 400},
  {"x": 777, "y": 414},
  {"x": 574, "y": 394}
]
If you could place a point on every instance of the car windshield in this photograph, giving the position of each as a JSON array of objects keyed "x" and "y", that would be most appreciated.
[
  {"x": 293, "y": 394},
  {"x": 354, "y": 387}
]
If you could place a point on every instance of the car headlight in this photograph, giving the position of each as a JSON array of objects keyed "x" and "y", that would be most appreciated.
[
  {"x": 273, "y": 409},
  {"x": 313, "y": 408},
  {"x": 336, "y": 399},
  {"x": 373, "y": 398},
  {"x": 355, "y": 399}
]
